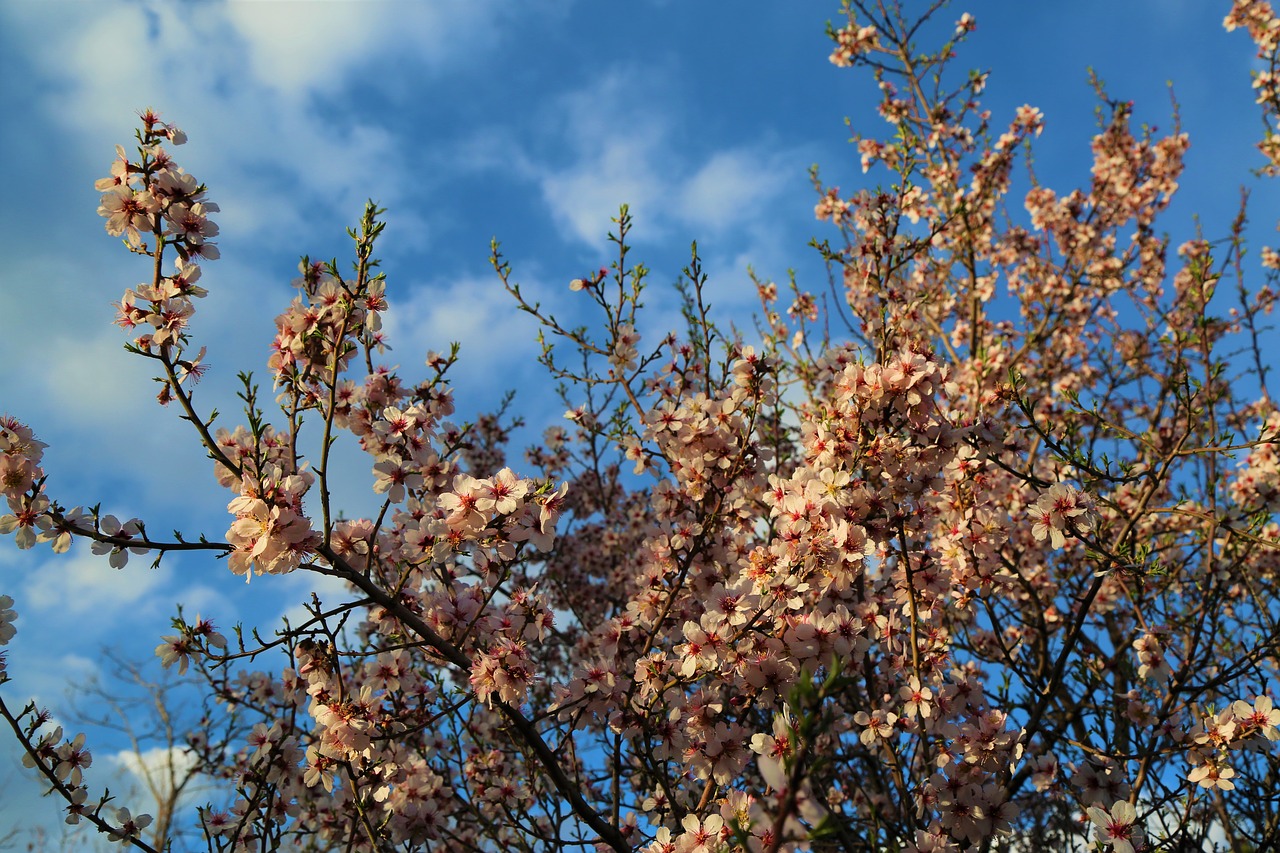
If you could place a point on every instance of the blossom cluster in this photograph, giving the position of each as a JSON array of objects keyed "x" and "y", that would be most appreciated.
[
  {"x": 1258, "y": 17},
  {"x": 1240, "y": 726},
  {"x": 20, "y": 472},
  {"x": 152, "y": 198},
  {"x": 271, "y": 534}
]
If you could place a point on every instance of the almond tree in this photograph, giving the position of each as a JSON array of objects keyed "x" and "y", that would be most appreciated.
[{"x": 975, "y": 550}]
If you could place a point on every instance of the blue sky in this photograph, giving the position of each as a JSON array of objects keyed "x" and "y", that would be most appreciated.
[{"x": 467, "y": 119}]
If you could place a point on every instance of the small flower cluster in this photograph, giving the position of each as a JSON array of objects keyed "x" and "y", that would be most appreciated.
[
  {"x": 852, "y": 41},
  {"x": 68, "y": 758},
  {"x": 503, "y": 671},
  {"x": 325, "y": 326},
  {"x": 1153, "y": 661},
  {"x": 1259, "y": 18},
  {"x": 192, "y": 639},
  {"x": 1240, "y": 726},
  {"x": 1255, "y": 486},
  {"x": 135, "y": 194},
  {"x": 154, "y": 197},
  {"x": 20, "y": 470},
  {"x": 1059, "y": 511},
  {"x": 271, "y": 533}
]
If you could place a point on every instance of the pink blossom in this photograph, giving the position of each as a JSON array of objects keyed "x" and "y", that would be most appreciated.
[{"x": 1116, "y": 827}]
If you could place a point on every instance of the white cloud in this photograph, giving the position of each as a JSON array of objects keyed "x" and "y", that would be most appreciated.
[
  {"x": 256, "y": 70},
  {"x": 621, "y": 129},
  {"x": 295, "y": 49},
  {"x": 94, "y": 66},
  {"x": 585, "y": 197},
  {"x": 207, "y": 602},
  {"x": 730, "y": 188},
  {"x": 306, "y": 46},
  {"x": 80, "y": 583},
  {"x": 155, "y": 764},
  {"x": 295, "y": 46},
  {"x": 496, "y": 337},
  {"x": 615, "y": 145},
  {"x": 94, "y": 378}
]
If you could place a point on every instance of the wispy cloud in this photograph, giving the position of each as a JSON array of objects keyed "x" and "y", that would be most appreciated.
[
  {"x": 498, "y": 347},
  {"x": 622, "y": 132},
  {"x": 733, "y": 188},
  {"x": 80, "y": 583},
  {"x": 306, "y": 46},
  {"x": 265, "y": 77}
]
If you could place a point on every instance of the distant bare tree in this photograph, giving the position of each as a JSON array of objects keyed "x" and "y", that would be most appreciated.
[{"x": 147, "y": 709}]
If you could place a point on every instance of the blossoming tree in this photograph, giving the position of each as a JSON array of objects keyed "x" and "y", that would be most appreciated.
[{"x": 995, "y": 564}]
